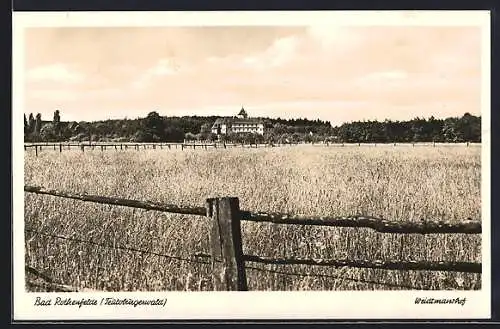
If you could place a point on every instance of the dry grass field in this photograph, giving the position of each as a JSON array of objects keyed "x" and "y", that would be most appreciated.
[{"x": 398, "y": 183}]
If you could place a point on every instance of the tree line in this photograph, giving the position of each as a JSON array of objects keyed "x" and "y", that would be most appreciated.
[
  {"x": 156, "y": 128},
  {"x": 450, "y": 130}
]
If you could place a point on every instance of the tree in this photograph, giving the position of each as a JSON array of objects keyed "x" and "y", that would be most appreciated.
[
  {"x": 141, "y": 136},
  {"x": 38, "y": 123},
  {"x": 469, "y": 127},
  {"x": 57, "y": 117},
  {"x": 212, "y": 137},
  {"x": 308, "y": 138},
  {"x": 47, "y": 133},
  {"x": 190, "y": 136},
  {"x": 26, "y": 128},
  {"x": 31, "y": 124},
  {"x": 295, "y": 137},
  {"x": 449, "y": 130},
  {"x": 57, "y": 123},
  {"x": 279, "y": 129},
  {"x": 154, "y": 126},
  {"x": 205, "y": 131},
  {"x": 417, "y": 128},
  {"x": 248, "y": 138},
  {"x": 173, "y": 134}
]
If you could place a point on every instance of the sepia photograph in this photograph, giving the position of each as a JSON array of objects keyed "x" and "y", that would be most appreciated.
[{"x": 272, "y": 156}]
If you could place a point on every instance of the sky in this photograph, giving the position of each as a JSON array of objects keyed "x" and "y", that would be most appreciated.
[{"x": 326, "y": 72}]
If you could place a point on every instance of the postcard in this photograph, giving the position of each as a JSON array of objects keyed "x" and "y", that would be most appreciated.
[{"x": 251, "y": 165}]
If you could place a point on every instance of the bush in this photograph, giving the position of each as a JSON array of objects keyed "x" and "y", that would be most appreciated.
[{"x": 80, "y": 137}]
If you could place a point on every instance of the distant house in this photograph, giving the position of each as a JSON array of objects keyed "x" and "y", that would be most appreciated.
[{"x": 239, "y": 124}]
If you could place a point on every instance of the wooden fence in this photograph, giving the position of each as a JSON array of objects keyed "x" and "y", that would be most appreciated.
[
  {"x": 227, "y": 257},
  {"x": 38, "y": 147}
]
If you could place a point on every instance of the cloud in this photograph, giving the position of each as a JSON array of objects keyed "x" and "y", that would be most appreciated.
[
  {"x": 326, "y": 71},
  {"x": 318, "y": 41},
  {"x": 68, "y": 95},
  {"x": 214, "y": 59},
  {"x": 332, "y": 37},
  {"x": 386, "y": 75},
  {"x": 55, "y": 72},
  {"x": 56, "y": 95},
  {"x": 281, "y": 52},
  {"x": 164, "y": 67}
]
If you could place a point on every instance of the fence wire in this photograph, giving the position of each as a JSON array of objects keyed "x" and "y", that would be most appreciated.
[
  {"x": 48, "y": 283},
  {"x": 125, "y": 248},
  {"x": 62, "y": 287}
]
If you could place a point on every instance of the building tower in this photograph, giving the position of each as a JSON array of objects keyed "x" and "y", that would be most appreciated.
[{"x": 242, "y": 114}]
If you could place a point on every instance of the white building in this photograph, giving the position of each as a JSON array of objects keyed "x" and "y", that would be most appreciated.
[{"x": 240, "y": 124}]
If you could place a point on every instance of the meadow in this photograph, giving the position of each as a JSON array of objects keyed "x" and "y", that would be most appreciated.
[{"x": 397, "y": 183}]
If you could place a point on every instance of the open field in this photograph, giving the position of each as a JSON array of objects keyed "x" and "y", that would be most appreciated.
[{"x": 396, "y": 183}]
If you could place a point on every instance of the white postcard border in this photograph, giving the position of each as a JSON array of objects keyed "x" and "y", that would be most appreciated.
[{"x": 252, "y": 304}]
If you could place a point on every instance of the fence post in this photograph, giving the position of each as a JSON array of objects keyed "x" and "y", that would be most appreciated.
[
  {"x": 225, "y": 244},
  {"x": 36, "y": 150},
  {"x": 60, "y": 148}
]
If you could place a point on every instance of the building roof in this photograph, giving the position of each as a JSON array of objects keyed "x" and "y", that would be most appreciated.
[
  {"x": 232, "y": 120},
  {"x": 247, "y": 121},
  {"x": 243, "y": 112},
  {"x": 220, "y": 121}
]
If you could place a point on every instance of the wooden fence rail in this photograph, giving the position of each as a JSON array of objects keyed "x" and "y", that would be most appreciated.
[
  {"x": 47, "y": 284},
  {"x": 186, "y": 145},
  {"x": 137, "y": 146},
  {"x": 146, "y": 205},
  {"x": 377, "y": 224},
  {"x": 465, "y": 267},
  {"x": 228, "y": 259}
]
